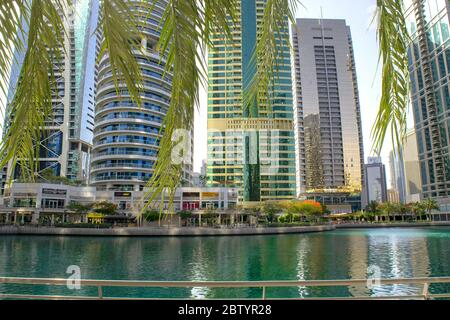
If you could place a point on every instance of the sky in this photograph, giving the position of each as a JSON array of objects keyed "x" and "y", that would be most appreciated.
[{"x": 358, "y": 14}]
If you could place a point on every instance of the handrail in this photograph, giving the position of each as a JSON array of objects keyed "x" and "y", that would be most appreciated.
[{"x": 264, "y": 285}]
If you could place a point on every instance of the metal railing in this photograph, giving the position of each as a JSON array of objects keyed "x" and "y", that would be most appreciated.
[{"x": 263, "y": 285}]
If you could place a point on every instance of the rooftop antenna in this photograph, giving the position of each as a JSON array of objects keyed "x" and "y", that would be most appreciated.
[
  {"x": 321, "y": 15},
  {"x": 321, "y": 24}
]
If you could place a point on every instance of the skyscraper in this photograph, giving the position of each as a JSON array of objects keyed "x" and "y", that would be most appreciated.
[
  {"x": 411, "y": 165},
  {"x": 67, "y": 138},
  {"x": 252, "y": 148},
  {"x": 328, "y": 131},
  {"x": 429, "y": 63},
  {"x": 127, "y": 136},
  {"x": 375, "y": 184},
  {"x": 396, "y": 165}
]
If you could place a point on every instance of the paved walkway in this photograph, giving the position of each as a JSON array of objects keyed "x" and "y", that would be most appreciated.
[
  {"x": 158, "y": 232},
  {"x": 197, "y": 232},
  {"x": 392, "y": 225}
]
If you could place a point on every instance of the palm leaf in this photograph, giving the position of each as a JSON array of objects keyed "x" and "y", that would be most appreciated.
[
  {"x": 179, "y": 41},
  {"x": 186, "y": 29},
  {"x": 393, "y": 40},
  {"x": 121, "y": 37},
  {"x": 11, "y": 14},
  {"x": 273, "y": 34},
  {"x": 31, "y": 105}
]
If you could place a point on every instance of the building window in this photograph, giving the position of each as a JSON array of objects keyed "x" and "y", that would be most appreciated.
[{"x": 53, "y": 203}]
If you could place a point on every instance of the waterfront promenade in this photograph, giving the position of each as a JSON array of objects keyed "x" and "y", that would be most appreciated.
[
  {"x": 203, "y": 231},
  {"x": 393, "y": 225},
  {"x": 159, "y": 232}
]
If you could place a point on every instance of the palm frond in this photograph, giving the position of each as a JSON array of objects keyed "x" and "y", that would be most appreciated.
[
  {"x": 179, "y": 42},
  {"x": 121, "y": 38},
  {"x": 393, "y": 40},
  {"x": 188, "y": 26},
  {"x": 31, "y": 105},
  {"x": 219, "y": 16},
  {"x": 273, "y": 33},
  {"x": 186, "y": 31},
  {"x": 12, "y": 13}
]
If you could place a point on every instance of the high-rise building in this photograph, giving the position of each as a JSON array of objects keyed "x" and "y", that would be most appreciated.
[
  {"x": 429, "y": 63},
  {"x": 393, "y": 196},
  {"x": 375, "y": 185},
  {"x": 411, "y": 165},
  {"x": 250, "y": 147},
  {"x": 330, "y": 156},
  {"x": 127, "y": 136},
  {"x": 67, "y": 138},
  {"x": 396, "y": 167}
]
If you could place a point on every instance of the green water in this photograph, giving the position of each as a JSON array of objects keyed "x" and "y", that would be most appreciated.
[{"x": 333, "y": 255}]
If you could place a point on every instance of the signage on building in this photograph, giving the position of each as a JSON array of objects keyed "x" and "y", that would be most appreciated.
[
  {"x": 210, "y": 195},
  {"x": 191, "y": 194},
  {"x": 122, "y": 194},
  {"x": 54, "y": 192},
  {"x": 190, "y": 205},
  {"x": 18, "y": 194},
  {"x": 96, "y": 218}
]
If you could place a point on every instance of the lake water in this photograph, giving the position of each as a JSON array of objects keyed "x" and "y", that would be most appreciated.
[{"x": 342, "y": 254}]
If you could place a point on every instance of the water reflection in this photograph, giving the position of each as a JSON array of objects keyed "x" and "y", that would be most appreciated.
[
  {"x": 398, "y": 253},
  {"x": 198, "y": 270},
  {"x": 302, "y": 253}
]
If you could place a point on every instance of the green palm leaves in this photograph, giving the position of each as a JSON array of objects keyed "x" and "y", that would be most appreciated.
[
  {"x": 273, "y": 32},
  {"x": 187, "y": 30},
  {"x": 32, "y": 102},
  {"x": 10, "y": 20},
  {"x": 187, "y": 26},
  {"x": 31, "y": 107},
  {"x": 121, "y": 38},
  {"x": 393, "y": 41}
]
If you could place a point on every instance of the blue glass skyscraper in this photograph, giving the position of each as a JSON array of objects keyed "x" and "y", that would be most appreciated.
[
  {"x": 67, "y": 137},
  {"x": 429, "y": 64}
]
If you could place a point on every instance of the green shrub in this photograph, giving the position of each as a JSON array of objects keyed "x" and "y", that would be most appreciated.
[
  {"x": 185, "y": 214},
  {"x": 105, "y": 207},
  {"x": 152, "y": 215},
  {"x": 209, "y": 216}
]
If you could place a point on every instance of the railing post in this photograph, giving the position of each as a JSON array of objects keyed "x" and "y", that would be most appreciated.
[
  {"x": 100, "y": 292},
  {"x": 425, "y": 291},
  {"x": 264, "y": 293}
]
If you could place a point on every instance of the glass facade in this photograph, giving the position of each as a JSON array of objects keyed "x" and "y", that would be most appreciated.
[
  {"x": 330, "y": 153},
  {"x": 67, "y": 136},
  {"x": 250, "y": 147},
  {"x": 429, "y": 64},
  {"x": 82, "y": 96}
]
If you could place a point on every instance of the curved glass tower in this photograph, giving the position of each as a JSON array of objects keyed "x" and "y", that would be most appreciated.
[{"x": 126, "y": 137}]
